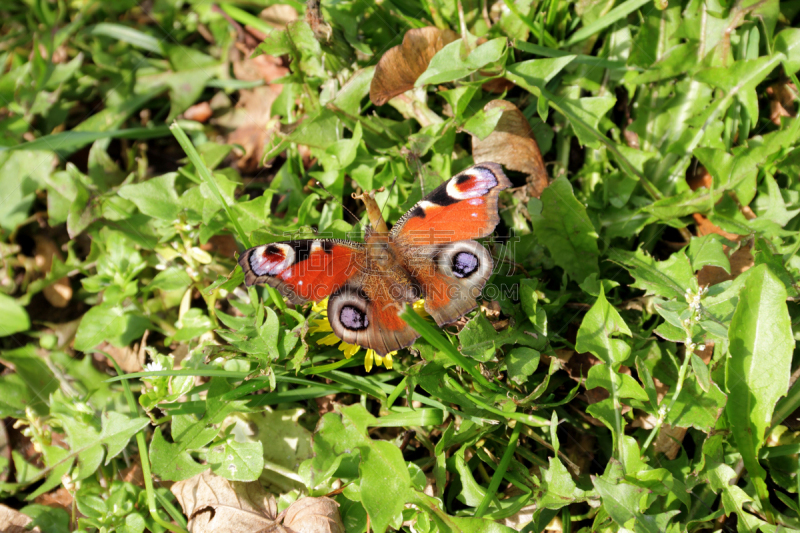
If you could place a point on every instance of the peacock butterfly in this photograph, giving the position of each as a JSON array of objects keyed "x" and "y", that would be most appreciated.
[{"x": 429, "y": 253}]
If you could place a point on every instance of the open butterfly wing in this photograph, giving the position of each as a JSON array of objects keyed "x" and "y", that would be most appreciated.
[
  {"x": 462, "y": 208},
  {"x": 303, "y": 270}
]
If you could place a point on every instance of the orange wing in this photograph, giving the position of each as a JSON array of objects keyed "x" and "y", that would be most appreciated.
[
  {"x": 462, "y": 208},
  {"x": 303, "y": 270}
]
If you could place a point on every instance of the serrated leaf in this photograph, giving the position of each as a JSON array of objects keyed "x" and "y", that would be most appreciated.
[
  {"x": 595, "y": 334},
  {"x": 565, "y": 229},
  {"x": 668, "y": 279}
]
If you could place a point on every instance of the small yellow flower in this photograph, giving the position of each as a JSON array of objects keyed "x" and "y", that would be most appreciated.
[
  {"x": 329, "y": 340},
  {"x": 379, "y": 361},
  {"x": 349, "y": 349}
]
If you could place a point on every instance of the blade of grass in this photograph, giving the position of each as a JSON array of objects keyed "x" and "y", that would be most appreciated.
[
  {"x": 128, "y": 35},
  {"x": 497, "y": 477},
  {"x": 430, "y": 334},
  {"x": 619, "y": 12}
]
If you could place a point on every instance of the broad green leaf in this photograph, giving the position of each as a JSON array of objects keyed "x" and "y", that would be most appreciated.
[
  {"x": 533, "y": 75},
  {"x": 669, "y": 279},
  {"x": 155, "y": 197},
  {"x": 237, "y": 461},
  {"x": 521, "y": 363},
  {"x": 788, "y": 43},
  {"x": 15, "y": 318},
  {"x": 595, "y": 334},
  {"x": 385, "y": 482},
  {"x": 109, "y": 323},
  {"x": 450, "y": 62},
  {"x": 558, "y": 488},
  {"x": 708, "y": 251},
  {"x": 761, "y": 346},
  {"x": 627, "y": 386},
  {"x": 564, "y": 228}
]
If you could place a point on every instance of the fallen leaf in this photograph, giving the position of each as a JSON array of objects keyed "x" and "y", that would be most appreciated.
[
  {"x": 199, "y": 112},
  {"x": 401, "y": 65},
  {"x": 260, "y": 68},
  {"x": 313, "y": 515},
  {"x": 61, "y": 498},
  {"x": 512, "y": 145},
  {"x": 278, "y": 15},
  {"x": 781, "y": 101},
  {"x": 12, "y": 521},
  {"x": 212, "y": 503},
  {"x": 669, "y": 441},
  {"x": 59, "y": 293}
]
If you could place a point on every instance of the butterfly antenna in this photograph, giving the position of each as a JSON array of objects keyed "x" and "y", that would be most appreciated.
[{"x": 319, "y": 184}]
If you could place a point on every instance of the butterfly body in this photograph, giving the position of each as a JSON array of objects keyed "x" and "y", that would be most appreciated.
[{"x": 429, "y": 253}]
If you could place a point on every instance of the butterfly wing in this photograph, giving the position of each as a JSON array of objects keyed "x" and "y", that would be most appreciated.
[
  {"x": 462, "y": 208},
  {"x": 303, "y": 270},
  {"x": 433, "y": 240},
  {"x": 451, "y": 276},
  {"x": 370, "y": 319}
]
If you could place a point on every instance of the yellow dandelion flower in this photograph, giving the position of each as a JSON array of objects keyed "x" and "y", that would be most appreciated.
[
  {"x": 372, "y": 356},
  {"x": 349, "y": 349},
  {"x": 329, "y": 340},
  {"x": 321, "y": 307},
  {"x": 320, "y": 326}
]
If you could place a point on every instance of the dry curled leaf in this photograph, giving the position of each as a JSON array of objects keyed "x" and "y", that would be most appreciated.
[
  {"x": 212, "y": 503},
  {"x": 401, "y": 65},
  {"x": 278, "y": 15},
  {"x": 512, "y": 145},
  {"x": 12, "y": 521},
  {"x": 199, "y": 112},
  {"x": 313, "y": 515}
]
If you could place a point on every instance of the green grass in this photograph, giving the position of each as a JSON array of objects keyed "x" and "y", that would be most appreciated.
[{"x": 599, "y": 386}]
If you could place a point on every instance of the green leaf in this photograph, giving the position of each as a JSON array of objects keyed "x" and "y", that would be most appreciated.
[
  {"x": 155, "y": 197},
  {"x": 668, "y": 279},
  {"x": 385, "y": 483},
  {"x": 565, "y": 229},
  {"x": 533, "y": 75},
  {"x": 627, "y": 388},
  {"x": 788, "y": 43},
  {"x": 15, "y": 318},
  {"x": 595, "y": 334},
  {"x": 521, "y": 363},
  {"x": 450, "y": 64},
  {"x": 761, "y": 346},
  {"x": 708, "y": 250},
  {"x": 237, "y": 461},
  {"x": 109, "y": 323}
]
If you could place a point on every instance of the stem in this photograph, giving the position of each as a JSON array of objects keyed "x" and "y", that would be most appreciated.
[
  {"x": 663, "y": 413},
  {"x": 617, "y": 405}
]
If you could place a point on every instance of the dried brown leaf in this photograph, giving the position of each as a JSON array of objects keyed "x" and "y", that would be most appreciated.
[
  {"x": 12, "y": 521},
  {"x": 199, "y": 112},
  {"x": 512, "y": 145},
  {"x": 401, "y": 65},
  {"x": 313, "y": 515},
  {"x": 669, "y": 441},
  {"x": 214, "y": 504},
  {"x": 278, "y": 15}
]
